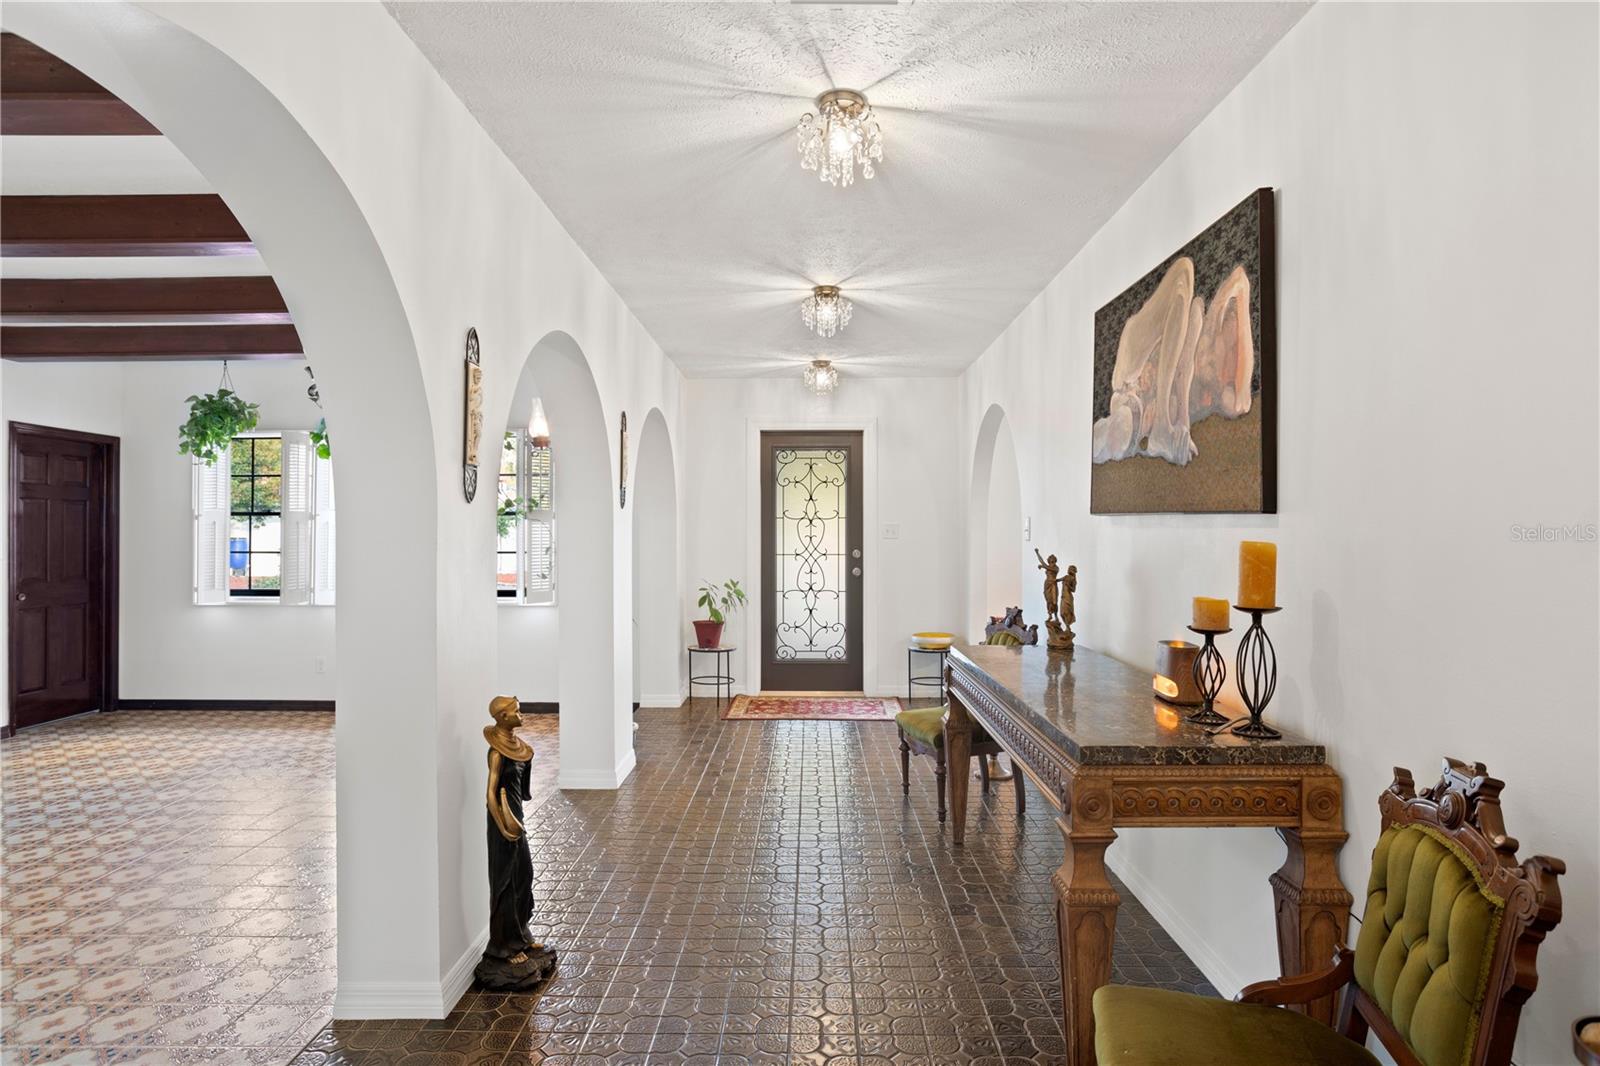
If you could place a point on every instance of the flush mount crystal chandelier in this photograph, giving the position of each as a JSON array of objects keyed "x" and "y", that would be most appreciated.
[
  {"x": 826, "y": 311},
  {"x": 843, "y": 133},
  {"x": 821, "y": 377}
]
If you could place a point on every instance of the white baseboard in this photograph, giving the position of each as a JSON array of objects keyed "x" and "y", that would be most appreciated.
[
  {"x": 672, "y": 702},
  {"x": 598, "y": 779},
  {"x": 410, "y": 999},
  {"x": 1216, "y": 970},
  {"x": 459, "y": 977}
]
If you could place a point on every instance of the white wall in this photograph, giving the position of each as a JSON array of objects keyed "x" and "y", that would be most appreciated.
[
  {"x": 1006, "y": 551},
  {"x": 910, "y": 479},
  {"x": 529, "y": 660},
  {"x": 170, "y": 648},
  {"x": 1436, "y": 170}
]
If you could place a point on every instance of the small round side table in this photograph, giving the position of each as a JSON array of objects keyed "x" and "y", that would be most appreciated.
[
  {"x": 722, "y": 668},
  {"x": 914, "y": 680}
]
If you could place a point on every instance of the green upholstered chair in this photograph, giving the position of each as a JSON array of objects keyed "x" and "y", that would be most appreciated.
[
  {"x": 1441, "y": 968},
  {"x": 922, "y": 733}
]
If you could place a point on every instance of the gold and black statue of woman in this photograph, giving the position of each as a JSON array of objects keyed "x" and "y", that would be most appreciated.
[{"x": 512, "y": 961}]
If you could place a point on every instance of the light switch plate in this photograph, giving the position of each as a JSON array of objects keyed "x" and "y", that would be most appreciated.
[
  {"x": 1027, "y": 528},
  {"x": 891, "y": 531}
]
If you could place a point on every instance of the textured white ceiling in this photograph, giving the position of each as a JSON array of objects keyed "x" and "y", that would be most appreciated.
[{"x": 662, "y": 136}]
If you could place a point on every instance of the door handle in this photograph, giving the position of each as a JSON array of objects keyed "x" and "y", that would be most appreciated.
[
  {"x": 22, "y": 597},
  {"x": 855, "y": 553},
  {"x": 855, "y": 571}
]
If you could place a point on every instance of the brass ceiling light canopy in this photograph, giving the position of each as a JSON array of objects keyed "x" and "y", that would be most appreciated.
[
  {"x": 826, "y": 311},
  {"x": 821, "y": 377},
  {"x": 843, "y": 134}
]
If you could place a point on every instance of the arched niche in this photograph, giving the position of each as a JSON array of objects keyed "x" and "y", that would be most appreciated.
[
  {"x": 658, "y": 604},
  {"x": 594, "y": 640},
  {"x": 315, "y": 239},
  {"x": 528, "y": 634},
  {"x": 995, "y": 548}
]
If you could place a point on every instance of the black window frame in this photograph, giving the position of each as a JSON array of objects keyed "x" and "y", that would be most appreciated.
[{"x": 251, "y": 515}]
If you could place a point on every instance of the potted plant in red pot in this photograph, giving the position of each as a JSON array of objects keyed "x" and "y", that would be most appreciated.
[{"x": 719, "y": 600}]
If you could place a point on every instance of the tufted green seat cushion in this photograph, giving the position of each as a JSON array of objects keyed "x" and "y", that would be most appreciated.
[
  {"x": 1427, "y": 942},
  {"x": 925, "y": 724},
  {"x": 1154, "y": 1027},
  {"x": 1008, "y": 640}
]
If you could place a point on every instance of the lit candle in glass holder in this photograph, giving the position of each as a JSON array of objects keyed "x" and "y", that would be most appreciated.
[{"x": 1174, "y": 678}]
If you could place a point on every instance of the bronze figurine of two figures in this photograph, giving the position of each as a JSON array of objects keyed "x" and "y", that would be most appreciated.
[
  {"x": 1059, "y": 592},
  {"x": 513, "y": 961}
]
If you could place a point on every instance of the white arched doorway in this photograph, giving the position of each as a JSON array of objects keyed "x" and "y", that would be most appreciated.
[
  {"x": 326, "y": 261},
  {"x": 594, "y": 676},
  {"x": 658, "y": 611},
  {"x": 995, "y": 560}
]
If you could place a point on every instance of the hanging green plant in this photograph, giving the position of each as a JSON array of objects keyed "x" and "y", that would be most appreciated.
[
  {"x": 319, "y": 435},
  {"x": 319, "y": 439},
  {"x": 214, "y": 420}
]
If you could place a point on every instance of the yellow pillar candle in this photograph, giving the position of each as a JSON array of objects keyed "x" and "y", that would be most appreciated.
[
  {"x": 1210, "y": 613},
  {"x": 1258, "y": 574}
]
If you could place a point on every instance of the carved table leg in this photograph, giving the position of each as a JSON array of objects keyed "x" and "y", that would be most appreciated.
[
  {"x": 958, "y": 754},
  {"x": 1312, "y": 904},
  {"x": 1086, "y": 912}
]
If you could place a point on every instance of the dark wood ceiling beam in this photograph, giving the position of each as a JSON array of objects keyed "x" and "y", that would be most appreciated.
[
  {"x": 218, "y": 300},
  {"x": 148, "y": 343},
  {"x": 42, "y": 95},
  {"x": 189, "y": 224}
]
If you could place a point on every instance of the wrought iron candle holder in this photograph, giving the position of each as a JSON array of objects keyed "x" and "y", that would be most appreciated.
[
  {"x": 1210, "y": 671},
  {"x": 1256, "y": 666}
]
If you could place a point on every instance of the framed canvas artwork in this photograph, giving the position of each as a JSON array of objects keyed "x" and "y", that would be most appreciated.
[{"x": 1185, "y": 382}]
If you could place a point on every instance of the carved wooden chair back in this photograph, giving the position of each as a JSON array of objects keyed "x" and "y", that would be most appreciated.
[{"x": 1521, "y": 903}]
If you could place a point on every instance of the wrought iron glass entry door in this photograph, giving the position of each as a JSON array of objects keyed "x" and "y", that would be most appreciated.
[{"x": 811, "y": 568}]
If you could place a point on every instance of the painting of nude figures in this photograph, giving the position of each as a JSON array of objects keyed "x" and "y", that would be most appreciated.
[{"x": 1185, "y": 397}]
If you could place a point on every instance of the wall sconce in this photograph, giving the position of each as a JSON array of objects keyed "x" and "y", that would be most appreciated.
[
  {"x": 1174, "y": 679},
  {"x": 538, "y": 425}
]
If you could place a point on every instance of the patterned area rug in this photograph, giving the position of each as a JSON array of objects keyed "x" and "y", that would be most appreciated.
[{"x": 813, "y": 707}]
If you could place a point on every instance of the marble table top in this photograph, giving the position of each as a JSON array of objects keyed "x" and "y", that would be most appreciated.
[{"x": 1102, "y": 712}]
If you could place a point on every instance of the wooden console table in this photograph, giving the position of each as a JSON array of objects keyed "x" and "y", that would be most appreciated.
[{"x": 1089, "y": 732}]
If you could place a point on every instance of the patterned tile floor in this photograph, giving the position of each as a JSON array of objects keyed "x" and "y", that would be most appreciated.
[
  {"x": 168, "y": 885},
  {"x": 759, "y": 892}
]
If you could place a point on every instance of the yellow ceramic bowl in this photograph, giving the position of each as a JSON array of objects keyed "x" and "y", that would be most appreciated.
[{"x": 933, "y": 641}]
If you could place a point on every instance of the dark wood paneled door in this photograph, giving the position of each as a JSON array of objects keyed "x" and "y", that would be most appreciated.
[
  {"x": 62, "y": 574},
  {"x": 811, "y": 565}
]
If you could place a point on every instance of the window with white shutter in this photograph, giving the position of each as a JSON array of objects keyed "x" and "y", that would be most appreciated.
[
  {"x": 263, "y": 517},
  {"x": 297, "y": 490},
  {"x": 538, "y": 525},
  {"x": 525, "y": 519},
  {"x": 210, "y": 489},
  {"x": 322, "y": 537}
]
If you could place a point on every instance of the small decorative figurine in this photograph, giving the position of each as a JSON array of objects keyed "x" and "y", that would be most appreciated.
[
  {"x": 1051, "y": 570},
  {"x": 1058, "y": 602},
  {"x": 1069, "y": 593},
  {"x": 512, "y": 961}
]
